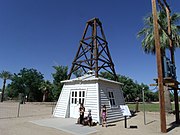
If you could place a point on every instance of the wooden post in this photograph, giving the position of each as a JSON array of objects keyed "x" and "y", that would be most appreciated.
[
  {"x": 159, "y": 68},
  {"x": 173, "y": 62},
  {"x": 93, "y": 53},
  {"x": 125, "y": 121},
  {"x": 95, "y": 48}
]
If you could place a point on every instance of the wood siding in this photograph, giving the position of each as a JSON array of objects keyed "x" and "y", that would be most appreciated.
[
  {"x": 91, "y": 100},
  {"x": 96, "y": 95},
  {"x": 114, "y": 113},
  {"x": 61, "y": 109}
]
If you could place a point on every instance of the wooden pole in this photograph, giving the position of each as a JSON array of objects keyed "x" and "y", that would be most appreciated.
[
  {"x": 159, "y": 68},
  {"x": 95, "y": 47},
  {"x": 169, "y": 32},
  {"x": 144, "y": 111},
  {"x": 173, "y": 62}
]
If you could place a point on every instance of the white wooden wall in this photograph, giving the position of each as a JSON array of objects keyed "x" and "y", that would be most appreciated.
[
  {"x": 114, "y": 113},
  {"x": 96, "y": 96},
  {"x": 62, "y": 104},
  {"x": 91, "y": 99}
]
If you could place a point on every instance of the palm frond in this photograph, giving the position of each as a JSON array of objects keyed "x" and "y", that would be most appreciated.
[
  {"x": 175, "y": 18},
  {"x": 5, "y": 75},
  {"x": 147, "y": 33}
]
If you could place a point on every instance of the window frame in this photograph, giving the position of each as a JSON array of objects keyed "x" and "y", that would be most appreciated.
[
  {"x": 78, "y": 96},
  {"x": 111, "y": 97}
]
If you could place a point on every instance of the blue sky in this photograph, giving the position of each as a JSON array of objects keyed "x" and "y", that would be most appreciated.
[{"x": 43, "y": 33}]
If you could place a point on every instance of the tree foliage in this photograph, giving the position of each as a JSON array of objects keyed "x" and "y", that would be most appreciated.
[
  {"x": 46, "y": 88},
  {"x": 148, "y": 38},
  {"x": 5, "y": 75},
  {"x": 131, "y": 89},
  {"x": 147, "y": 33},
  {"x": 28, "y": 82},
  {"x": 61, "y": 73}
]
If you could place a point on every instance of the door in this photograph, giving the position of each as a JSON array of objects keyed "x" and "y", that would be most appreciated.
[{"x": 77, "y": 97}]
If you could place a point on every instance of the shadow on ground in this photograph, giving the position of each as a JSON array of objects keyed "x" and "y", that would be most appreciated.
[{"x": 173, "y": 125}]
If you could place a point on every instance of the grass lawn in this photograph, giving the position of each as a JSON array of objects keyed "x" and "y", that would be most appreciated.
[{"x": 151, "y": 107}]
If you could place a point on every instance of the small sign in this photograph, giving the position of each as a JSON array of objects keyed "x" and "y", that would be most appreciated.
[{"x": 125, "y": 110}]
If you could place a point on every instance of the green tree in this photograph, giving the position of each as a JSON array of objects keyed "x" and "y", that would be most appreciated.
[
  {"x": 5, "y": 75},
  {"x": 107, "y": 75},
  {"x": 61, "y": 73},
  {"x": 46, "y": 88},
  {"x": 128, "y": 85},
  {"x": 28, "y": 82},
  {"x": 10, "y": 92},
  {"x": 148, "y": 41},
  {"x": 131, "y": 89}
]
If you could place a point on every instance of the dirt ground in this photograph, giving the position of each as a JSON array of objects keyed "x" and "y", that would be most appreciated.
[
  {"x": 23, "y": 126},
  {"x": 151, "y": 126}
]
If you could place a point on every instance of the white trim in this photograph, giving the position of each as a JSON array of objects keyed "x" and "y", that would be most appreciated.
[
  {"x": 74, "y": 106},
  {"x": 90, "y": 78},
  {"x": 110, "y": 90},
  {"x": 98, "y": 105}
]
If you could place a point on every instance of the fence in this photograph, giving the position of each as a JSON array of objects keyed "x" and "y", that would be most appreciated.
[{"x": 12, "y": 109}]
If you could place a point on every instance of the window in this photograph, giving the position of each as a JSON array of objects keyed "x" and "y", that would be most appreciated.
[
  {"x": 77, "y": 96},
  {"x": 81, "y": 96},
  {"x": 111, "y": 98},
  {"x": 74, "y": 97}
]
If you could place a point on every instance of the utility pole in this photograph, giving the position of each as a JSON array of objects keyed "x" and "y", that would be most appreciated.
[
  {"x": 159, "y": 68},
  {"x": 173, "y": 62}
]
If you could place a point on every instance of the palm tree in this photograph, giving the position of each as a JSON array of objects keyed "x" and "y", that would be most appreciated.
[
  {"x": 5, "y": 75},
  {"x": 147, "y": 33},
  {"x": 46, "y": 86},
  {"x": 148, "y": 41}
]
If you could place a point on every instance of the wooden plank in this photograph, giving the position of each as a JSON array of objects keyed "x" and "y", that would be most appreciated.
[{"x": 153, "y": 85}]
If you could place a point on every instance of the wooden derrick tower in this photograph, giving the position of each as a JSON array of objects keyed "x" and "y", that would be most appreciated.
[{"x": 93, "y": 53}]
